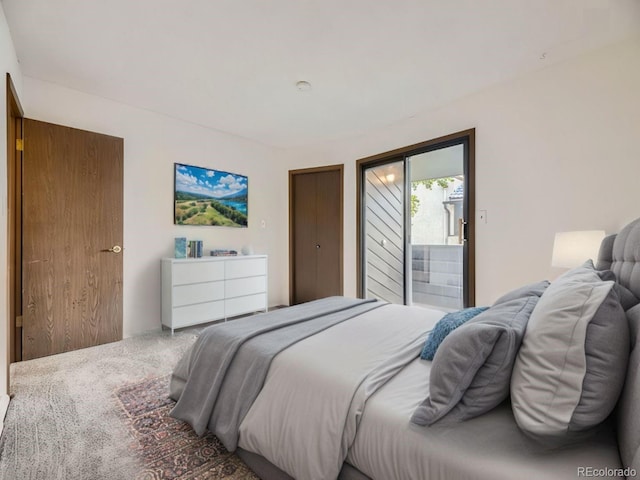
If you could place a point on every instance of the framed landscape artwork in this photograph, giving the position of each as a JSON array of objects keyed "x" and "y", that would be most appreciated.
[{"x": 209, "y": 197}]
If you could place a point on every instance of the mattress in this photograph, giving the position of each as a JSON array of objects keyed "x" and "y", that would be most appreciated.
[{"x": 490, "y": 447}]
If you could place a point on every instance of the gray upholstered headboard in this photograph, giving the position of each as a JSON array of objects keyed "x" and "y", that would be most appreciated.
[{"x": 621, "y": 254}]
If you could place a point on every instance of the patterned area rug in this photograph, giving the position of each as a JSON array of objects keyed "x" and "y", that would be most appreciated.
[{"x": 168, "y": 448}]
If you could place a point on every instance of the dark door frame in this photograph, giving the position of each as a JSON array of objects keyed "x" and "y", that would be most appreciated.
[
  {"x": 292, "y": 173},
  {"x": 15, "y": 115},
  {"x": 468, "y": 138}
]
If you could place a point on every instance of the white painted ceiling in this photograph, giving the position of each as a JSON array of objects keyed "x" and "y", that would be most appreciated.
[{"x": 232, "y": 65}]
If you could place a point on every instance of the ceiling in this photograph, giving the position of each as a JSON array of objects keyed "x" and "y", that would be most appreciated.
[{"x": 232, "y": 65}]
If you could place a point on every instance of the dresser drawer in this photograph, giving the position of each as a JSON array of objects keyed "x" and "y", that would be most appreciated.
[
  {"x": 197, "y": 271},
  {"x": 245, "y": 286},
  {"x": 199, "y": 313},
  {"x": 246, "y": 267},
  {"x": 250, "y": 303},
  {"x": 197, "y": 293}
]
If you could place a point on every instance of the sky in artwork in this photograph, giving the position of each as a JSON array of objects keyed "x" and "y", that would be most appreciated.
[{"x": 214, "y": 183}]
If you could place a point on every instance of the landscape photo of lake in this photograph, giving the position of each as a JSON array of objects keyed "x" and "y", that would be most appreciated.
[{"x": 209, "y": 197}]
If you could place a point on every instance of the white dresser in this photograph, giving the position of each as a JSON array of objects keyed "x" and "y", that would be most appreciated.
[{"x": 201, "y": 290}]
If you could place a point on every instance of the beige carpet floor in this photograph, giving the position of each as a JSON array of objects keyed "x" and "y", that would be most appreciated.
[{"x": 65, "y": 420}]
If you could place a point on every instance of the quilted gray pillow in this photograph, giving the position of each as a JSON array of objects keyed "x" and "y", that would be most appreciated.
[
  {"x": 471, "y": 370},
  {"x": 571, "y": 366}
]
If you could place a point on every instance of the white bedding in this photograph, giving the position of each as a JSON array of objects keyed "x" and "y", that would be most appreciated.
[
  {"x": 489, "y": 447},
  {"x": 305, "y": 418}
]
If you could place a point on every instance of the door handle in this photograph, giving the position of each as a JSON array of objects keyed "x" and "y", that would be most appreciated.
[
  {"x": 461, "y": 224},
  {"x": 114, "y": 249},
  {"x": 318, "y": 246}
]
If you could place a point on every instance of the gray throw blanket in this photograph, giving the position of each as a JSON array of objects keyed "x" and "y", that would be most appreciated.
[{"x": 217, "y": 380}]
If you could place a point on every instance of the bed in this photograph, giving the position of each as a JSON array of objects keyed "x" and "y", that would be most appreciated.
[{"x": 328, "y": 389}]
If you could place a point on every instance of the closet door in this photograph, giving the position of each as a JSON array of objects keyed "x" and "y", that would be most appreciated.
[
  {"x": 315, "y": 233},
  {"x": 303, "y": 246}
]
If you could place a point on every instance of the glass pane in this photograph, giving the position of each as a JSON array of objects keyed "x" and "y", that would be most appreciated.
[
  {"x": 437, "y": 201},
  {"x": 383, "y": 232}
]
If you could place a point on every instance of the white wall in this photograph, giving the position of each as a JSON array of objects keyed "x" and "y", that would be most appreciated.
[
  {"x": 152, "y": 143},
  {"x": 8, "y": 63},
  {"x": 557, "y": 149}
]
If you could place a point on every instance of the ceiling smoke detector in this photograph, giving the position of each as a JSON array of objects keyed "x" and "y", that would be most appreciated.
[{"x": 303, "y": 86}]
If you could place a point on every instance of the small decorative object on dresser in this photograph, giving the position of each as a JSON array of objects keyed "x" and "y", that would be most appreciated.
[
  {"x": 202, "y": 290},
  {"x": 195, "y": 249},
  {"x": 180, "y": 250},
  {"x": 218, "y": 252}
]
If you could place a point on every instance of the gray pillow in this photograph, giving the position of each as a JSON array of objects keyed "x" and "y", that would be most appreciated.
[
  {"x": 627, "y": 297},
  {"x": 571, "y": 366},
  {"x": 471, "y": 370},
  {"x": 536, "y": 289}
]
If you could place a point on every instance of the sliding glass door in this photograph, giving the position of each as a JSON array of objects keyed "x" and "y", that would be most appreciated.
[{"x": 415, "y": 232}]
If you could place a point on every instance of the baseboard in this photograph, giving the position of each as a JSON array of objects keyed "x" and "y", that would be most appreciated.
[{"x": 4, "y": 406}]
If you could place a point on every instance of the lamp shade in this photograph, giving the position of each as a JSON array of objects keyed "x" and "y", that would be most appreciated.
[{"x": 571, "y": 249}]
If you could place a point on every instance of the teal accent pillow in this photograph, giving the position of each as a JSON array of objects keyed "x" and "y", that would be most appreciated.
[{"x": 445, "y": 326}]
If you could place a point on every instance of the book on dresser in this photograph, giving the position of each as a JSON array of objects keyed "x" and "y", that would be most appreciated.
[{"x": 202, "y": 290}]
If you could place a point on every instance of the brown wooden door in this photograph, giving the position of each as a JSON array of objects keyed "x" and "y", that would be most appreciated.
[
  {"x": 316, "y": 233},
  {"x": 72, "y": 215}
]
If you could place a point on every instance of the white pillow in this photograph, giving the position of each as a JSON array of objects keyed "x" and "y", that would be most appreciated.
[{"x": 572, "y": 363}]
